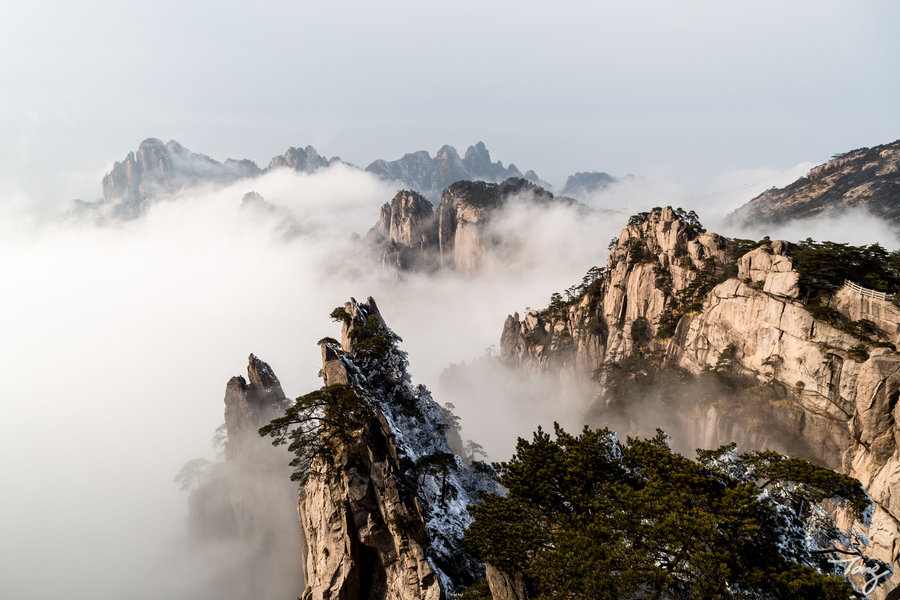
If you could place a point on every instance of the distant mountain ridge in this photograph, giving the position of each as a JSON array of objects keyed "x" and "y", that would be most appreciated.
[
  {"x": 585, "y": 184},
  {"x": 158, "y": 169},
  {"x": 866, "y": 177},
  {"x": 430, "y": 176}
]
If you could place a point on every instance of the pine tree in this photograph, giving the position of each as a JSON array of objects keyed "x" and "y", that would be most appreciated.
[{"x": 587, "y": 517}]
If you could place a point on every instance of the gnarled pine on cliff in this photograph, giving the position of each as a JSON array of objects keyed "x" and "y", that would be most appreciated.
[{"x": 384, "y": 499}]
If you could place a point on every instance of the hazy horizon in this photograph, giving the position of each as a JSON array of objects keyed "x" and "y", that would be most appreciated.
[{"x": 682, "y": 92}]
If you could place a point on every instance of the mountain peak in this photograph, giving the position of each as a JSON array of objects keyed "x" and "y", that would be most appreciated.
[
  {"x": 430, "y": 176},
  {"x": 865, "y": 177}
]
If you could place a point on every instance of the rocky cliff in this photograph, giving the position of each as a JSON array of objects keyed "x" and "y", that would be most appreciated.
[
  {"x": 384, "y": 495},
  {"x": 674, "y": 297},
  {"x": 407, "y": 231},
  {"x": 617, "y": 309},
  {"x": 242, "y": 515},
  {"x": 410, "y": 235},
  {"x": 868, "y": 177}
]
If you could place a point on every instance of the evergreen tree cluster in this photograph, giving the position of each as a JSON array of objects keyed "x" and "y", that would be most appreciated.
[
  {"x": 824, "y": 266},
  {"x": 588, "y": 517}
]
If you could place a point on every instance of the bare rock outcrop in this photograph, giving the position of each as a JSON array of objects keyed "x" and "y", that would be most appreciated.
[
  {"x": 410, "y": 236},
  {"x": 384, "y": 517},
  {"x": 242, "y": 513},
  {"x": 770, "y": 265},
  {"x": 408, "y": 231},
  {"x": 617, "y": 310},
  {"x": 839, "y": 393},
  {"x": 464, "y": 214},
  {"x": 255, "y": 470},
  {"x": 504, "y": 586},
  {"x": 882, "y": 313}
]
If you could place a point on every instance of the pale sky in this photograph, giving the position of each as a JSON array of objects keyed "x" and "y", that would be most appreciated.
[{"x": 686, "y": 88}]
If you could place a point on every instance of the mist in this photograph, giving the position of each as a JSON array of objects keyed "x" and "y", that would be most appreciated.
[
  {"x": 118, "y": 342},
  {"x": 856, "y": 226}
]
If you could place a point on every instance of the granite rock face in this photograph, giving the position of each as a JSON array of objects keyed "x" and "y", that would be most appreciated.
[
  {"x": 380, "y": 523},
  {"x": 408, "y": 232},
  {"x": 653, "y": 259},
  {"x": 242, "y": 515},
  {"x": 464, "y": 214},
  {"x": 867, "y": 177},
  {"x": 410, "y": 236},
  {"x": 839, "y": 406},
  {"x": 504, "y": 586}
]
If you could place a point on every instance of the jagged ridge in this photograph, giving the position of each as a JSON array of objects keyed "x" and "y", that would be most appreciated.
[{"x": 834, "y": 392}]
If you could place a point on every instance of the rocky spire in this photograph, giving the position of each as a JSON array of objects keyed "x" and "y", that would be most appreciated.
[
  {"x": 385, "y": 516},
  {"x": 243, "y": 512},
  {"x": 408, "y": 231}
]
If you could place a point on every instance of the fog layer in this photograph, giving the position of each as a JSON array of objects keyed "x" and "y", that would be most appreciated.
[{"x": 118, "y": 341}]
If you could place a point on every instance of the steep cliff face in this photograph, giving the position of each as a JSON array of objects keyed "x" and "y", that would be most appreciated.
[
  {"x": 408, "y": 232},
  {"x": 158, "y": 169},
  {"x": 617, "y": 309},
  {"x": 243, "y": 517},
  {"x": 411, "y": 236},
  {"x": 868, "y": 177},
  {"x": 383, "y": 514},
  {"x": 826, "y": 394}
]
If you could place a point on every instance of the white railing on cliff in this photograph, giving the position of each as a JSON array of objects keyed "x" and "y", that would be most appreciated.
[{"x": 867, "y": 292}]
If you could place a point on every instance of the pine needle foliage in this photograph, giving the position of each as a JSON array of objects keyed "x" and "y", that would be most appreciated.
[{"x": 588, "y": 517}]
